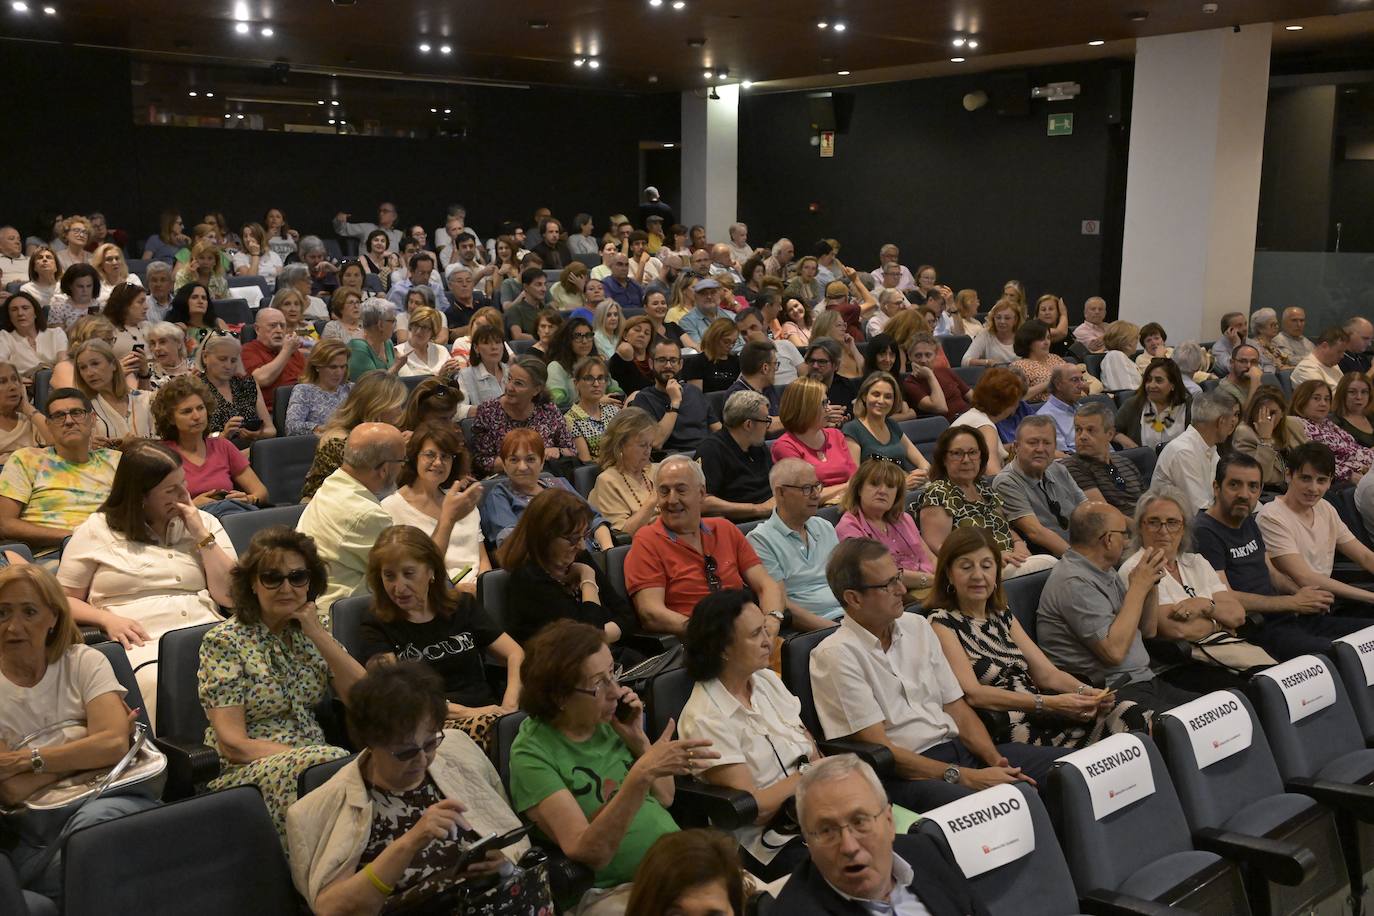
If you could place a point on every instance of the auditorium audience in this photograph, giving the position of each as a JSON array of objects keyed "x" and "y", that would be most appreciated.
[
  {"x": 881, "y": 678},
  {"x": 682, "y": 416},
  {"x": 1032, "y": 346},
  {"x": 933, "y": 389},
  {"x": 823, "y": 358},
  {"x": 524, "y": 404},
  {"x": 716, "y": 366},
  {"x": 1353, "y": 408},
  {"x": 872, "y": 505},
  {"x": 323, "y": 387},
  {"x": 21, "y": 425},
  {"x": 396, "y": 815},
  {"x": 794, "y": 544},
  {"x": 1018, "y": 692},
  {"x": 1159, "y": 411},
  {"x": 522, "y": 458},
  {"x": 46, "y": 493},
  {"x": 573, "y": 342},
  {"x": 237, "y": 410},
  {"x": 752, "y": 722},
  {"x": 344, "y": 517},
  {"x": 1311, "y": 406},
  {"x": 1322, "y": 364},
  {"x": 49, "y": 677},
  {"x": 624, "y": 490},
  {"x": 1233, "y": 331},
  {"x": 27, "y": 342},
  {"x": 484, "y": 378},
  {"x": 263, "y": 671},
  {"x": 680, "y": 557},
  {"x": 1094, "y": 623},
  {"x": 216, "y": 474},
  {"x": 1038, "y": 493},
  {"x": 1102, "y": 475},
  {"x": 374, "y": 349},
  {"x": 1188, "y": 462},
  {"x": 1264, "y": 331},
  {"x": 808, "y": 437},
  {"x": 1092, "y": 331},
  {"x": 572, "y": 733},
  {"x": 377, "y": 397}
]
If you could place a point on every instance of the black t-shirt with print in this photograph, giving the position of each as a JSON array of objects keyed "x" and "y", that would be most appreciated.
[{"x": 452, "y": 646}]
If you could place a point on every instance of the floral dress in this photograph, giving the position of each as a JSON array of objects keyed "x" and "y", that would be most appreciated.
[
  {"x": 985, "y": 513},
  {"x": 491, "y": 423},
  {"x": 277, "y": 679},
  {"x": 1351, "y": 457},
  {"x": 997, "y": 662}
]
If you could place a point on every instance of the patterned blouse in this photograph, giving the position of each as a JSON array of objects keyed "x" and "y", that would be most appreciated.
[
  {"x": 311, "y": 407},
  {"x": 1351, "y": 457},
  {"x": 1038, "y": 373},
  {"x": 986, "y": 513},
  {"x": 244, "y": 403},
  {"x": 997, "y": 662},
  {"x": 328, "y": 457},
  {"x": 492, "y": 423},
  {"x": 581, "y": 424}
]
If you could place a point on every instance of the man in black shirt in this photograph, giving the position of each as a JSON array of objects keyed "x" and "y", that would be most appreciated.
[
  {"x": 736, "y": 462},
  {"x": 654, "y": 206},
  {"x": 684, "y": 417},
  {"x": 822, "y": 359},
  {"x": 1285, "y": 620},
  {"x": 463, "y": 298}
]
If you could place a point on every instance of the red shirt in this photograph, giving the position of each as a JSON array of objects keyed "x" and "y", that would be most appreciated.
[
  {"x": 222, "y": 464},
  {"x": 660, "y": 559},
  {"x": 955, "y": 390},
  {"x": 256, "y": 355}
]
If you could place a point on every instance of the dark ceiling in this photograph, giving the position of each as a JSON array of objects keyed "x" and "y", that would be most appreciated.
[{"x": 639, "y": 46}]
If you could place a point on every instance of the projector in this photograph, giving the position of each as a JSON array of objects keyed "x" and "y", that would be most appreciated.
[{"x": 1056, "y": 92}]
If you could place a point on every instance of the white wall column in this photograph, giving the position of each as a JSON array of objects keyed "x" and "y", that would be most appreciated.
[
  {"x": 1193, "y": 178},
  {"x": 710, "y": 161}
]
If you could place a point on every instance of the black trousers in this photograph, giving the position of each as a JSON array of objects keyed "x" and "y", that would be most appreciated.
[{"x": 1290, "y": 635}]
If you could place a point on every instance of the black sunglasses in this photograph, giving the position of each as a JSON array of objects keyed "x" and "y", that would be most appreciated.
[
  {"x": 712, "y": 573},
  {"x": 271, "y": 578}
]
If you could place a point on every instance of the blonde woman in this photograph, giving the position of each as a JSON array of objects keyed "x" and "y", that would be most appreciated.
[
  {"x": 89, "y": 328},
  {"x": 961, "y": 315},
  {"x": 109, "y": 262},
  {"x": 606, "y": 324},
  {"x": 21, "y": 426},
  {"x": 167, "y": 346},
  {"x": 624, "y": 491},
  {"x": 716, "y": 367},
  {"x": 322, "y": 389},
  {"x": 206, "y": 267},
  {"x": 566, "y": 294},
  {"x": 830, "y": 323},
  {"x": 1119, "y": 371},
  {"x": 377, "y": 397},
  {"x": 423, "y": 355},
  {"x": 74, "y": 232},
  {"x": 121, "y": 413}
]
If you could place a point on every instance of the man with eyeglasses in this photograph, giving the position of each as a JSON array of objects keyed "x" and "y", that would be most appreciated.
[
  {"x": 1093, "y": 623},
  {"x": 1066, "y": 390},
  {"x": 822, "y": 360},
  {"x": 1285, "y": 619},
  {"x": 881, "y": 678},
  {"x": 684, "y": 417},
  {"x": 736, "y": 462},
  {"x": 46, "y": 493},
  {"x": 680, "y": 557},
  {"x": 386, "y": 221},
  {"x": 795, "y": 543},
  {"x": 345, "y": 516},
  {"x": 1244, "y": 378},
  {"x": 275, "y": 356},
  {"x": 859, "y": 864},
  {"x": 1037, "y": 492},
  {"x": 1102, "y": 475}
]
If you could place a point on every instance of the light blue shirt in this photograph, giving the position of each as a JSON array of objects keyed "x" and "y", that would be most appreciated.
[
  {"x": 694, "y": 323},
  {"x": 401, "y": 288},
  {"x": 1062, "y": 415},
  {"x": 799, "y": 567}
]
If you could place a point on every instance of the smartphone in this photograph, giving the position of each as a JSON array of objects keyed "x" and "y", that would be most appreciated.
[
  {"x": 625, "y": 712},
  {"x": 138, "y": 347},
  {"x": 252, "y": 424},
  {"x": 485, "y": 845}
]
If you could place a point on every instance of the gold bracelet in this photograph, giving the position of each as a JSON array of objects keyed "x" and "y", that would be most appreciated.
[
  {"x": 382, "y": 887},
  {"x": 205, "y": 541}
]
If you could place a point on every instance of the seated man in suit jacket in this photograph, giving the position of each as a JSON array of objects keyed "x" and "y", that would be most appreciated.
[{"x": 858, "y": 864}]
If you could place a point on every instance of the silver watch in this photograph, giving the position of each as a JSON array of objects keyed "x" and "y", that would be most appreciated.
[
  {"x": 36, "y": 763},
  {"x": 951, "y": 776}
]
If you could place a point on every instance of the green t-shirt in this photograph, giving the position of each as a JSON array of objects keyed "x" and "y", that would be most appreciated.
[{"x": 543, "y": 761}]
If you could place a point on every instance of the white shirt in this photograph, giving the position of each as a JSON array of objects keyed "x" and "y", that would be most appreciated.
[
  {"x": 789, "y": 361},
  {"x": 27, "y": 358},
  {"x": 1119, "y": 372},
  {"x": 316, "y": 310},
  {"x": 269, "y": 265},
  {"x": 79, "y": 676},
  {"x": 905, "y": 688},
  {"x": 428, "y": 363},
  {"x": 1309, "y": 368},
  {"x": 1195, "y": 571},
  {"x": 462, "y": 542},
  {"x": 1188, "y": 464},
  {"x": 768, "y": 739},
  {"x": 13, "y": 270}
]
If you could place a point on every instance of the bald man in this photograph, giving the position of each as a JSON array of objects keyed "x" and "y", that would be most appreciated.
[
  {"x": 1357, "y": 356},
  {"x": 275, "y": 356},
  {"x": 345, "y": 516}
]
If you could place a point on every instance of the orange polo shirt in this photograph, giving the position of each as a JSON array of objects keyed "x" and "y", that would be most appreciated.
[{"x": 660, "y": 559}]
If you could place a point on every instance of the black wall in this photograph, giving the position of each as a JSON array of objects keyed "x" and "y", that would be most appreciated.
[
  {"x": 984, "y": 198},
  {"x": 80, "y": 151}
]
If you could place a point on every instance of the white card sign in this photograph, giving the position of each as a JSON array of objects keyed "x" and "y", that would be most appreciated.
[
  {"x": 1217, "y": 725},
  {"x": 1306, "y": 684},
  {"x": 1117, "y": 771},
  {"x": 1362, "y": 641},
  {"x": 987, "y": 829}
]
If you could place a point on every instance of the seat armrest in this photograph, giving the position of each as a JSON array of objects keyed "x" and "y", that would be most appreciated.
[
  {"x": 650, "y": 644},
  {"x": 1357, "y": 800},
  {"x": 1277, "y": 860},
  {"x": 875, "y": 755},
  {"x": 1102, "y": 902},
  {"x": 92, "y": 635},
  {"x": 190, "y": 764},
  {"x": 704, "y": 805},
  {"x": 1169, "y": 651}
]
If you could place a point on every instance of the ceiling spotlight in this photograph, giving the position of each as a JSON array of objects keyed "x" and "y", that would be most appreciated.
[
  {"x": 972, "y": 43},
  {"x": 226, "y": 117},
  {"x": 240, "y": 117},
  {"x": 956, "y": 60},
  {"x": 840, "y": 26},
  {"x": 192, "y": 94},
  {"x": 446, "y": 49},
  {"x": 594, "y": 64},
  {"x": 331, "y": 121},
  {"x": 19, "y": 6},
  {"x": 822, "y": 24},
  {"x": 424, "y": 48},
  {"x": 747, "y": 84},
  {"x": 1096, "y": 43},
  {"x": 342, "y": 121},
  {"x": 1292, "y": 28},
  {"x": 539, "y": 24},
  {"x": 50, "y": 10},
  {"x": 655, "y": 2},
  {"x": 319, "y": 101},
  {"x": 209, "y": 95},
  {"x": 843, "y": 72},
  {"x": 579, "y": 61},
  {"x": 1138, "y": 16},
  {"x": 722, "y": 74},
  {"x": 267, "y": 32},
  {"x": 334, "y": 102},
  {"x": 958, "y": 42},
  {"x": 679, "y": 4},
  {"x": 653, "y": 77},
  {"x": 241, "y": 27},
  {"x": 669, "y": 145},
  {"x": 448, "y": 111},
  {"x": 707, "y": 73},
  {"x": 434, "y": 111}
]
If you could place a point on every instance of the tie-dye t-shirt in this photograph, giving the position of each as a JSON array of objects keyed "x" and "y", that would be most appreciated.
[{"x": 54, "y": 491}]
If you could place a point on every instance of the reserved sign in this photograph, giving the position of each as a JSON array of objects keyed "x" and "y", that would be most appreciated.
[
  {"x": 1218, "y": 726},
  {"x": 1306, "y": 684},
  {"x": 1362, "y": 641},
  {"x": 1117, "y": 771},
  {"x": 987, "y": 829}
]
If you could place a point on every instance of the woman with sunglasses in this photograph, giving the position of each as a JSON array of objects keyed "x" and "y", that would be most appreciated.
[
  {"x": 263, "y": 671},
  {"x": 436, "y": 495},
  {"x": 428, "y": 791},
  {"x": 572, "y": 696},
  {"x": 573, "y": 342}
]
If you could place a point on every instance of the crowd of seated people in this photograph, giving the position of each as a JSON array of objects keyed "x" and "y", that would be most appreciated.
[{"x": 694, "y": 443}]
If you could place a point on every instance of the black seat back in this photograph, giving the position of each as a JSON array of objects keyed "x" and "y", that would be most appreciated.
[
  {"x": 1346, "y": 656},
  {"x": 796, "y": 673},
  {"x": 179, "y": 712},
  {"x": 346, "y": 618},
  {"x": 118, "y": 658},
  {"x": 319, "y": 774}
]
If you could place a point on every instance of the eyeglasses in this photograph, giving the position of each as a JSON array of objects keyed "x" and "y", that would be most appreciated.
[
  {"x": 893, "y": 584},
  {"x": 758, "y": 419},
  {"x": 594, "y": 379},
  {"x": 272, "y": 578},
  {"x": 667, "y": 360},
  {"x": 410, "y": 753},
  {"x": 963, "y": 454},
  {"x": 76, "y": 415},
  {"x": 583, "y": 335},
  {"x": 1110, "y": 531},
  {"x": 861, "y": 824},
  {"x": 610, "y": 682},
  {"x": 574, "y": 540},
  {"x": 430, "y": 456},
  {"x": 809, "y": 489},
  {"x": 1171, "y": 525},
  {"x": 818, "y": 362}
]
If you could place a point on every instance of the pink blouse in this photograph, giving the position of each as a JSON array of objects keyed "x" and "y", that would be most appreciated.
[
  {"x": 833, "y": 463},
  {"x": 902, "y": 539},
  {"x": 1351, "y": 457}
]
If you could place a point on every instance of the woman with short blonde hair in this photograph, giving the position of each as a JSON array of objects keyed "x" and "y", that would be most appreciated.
[{"x": 1119, "y": 370}]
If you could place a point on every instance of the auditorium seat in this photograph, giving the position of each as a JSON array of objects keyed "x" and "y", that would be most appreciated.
[
  {"x": 139, "y": 268},
  {"x": 796, "y": 676},
  {"x": 1144, "y": 460},
  {"x": 315, "y": 776},
  {"x": 831, "y": 514},
  {"x": 237, "y": 282},
  {"x": 970, "y": 374},
  {"x": 345, "y": 621},
  {"x": 42, "y": 384},
  {"x": 1286, "y": 382},
  {"x": 584, "y": 478},
  {"x": 373, "y": 284},
  {"x": 1351, "y": 670},
  {"x": 332, "y": 249},
  {"x": 241, "y": 526},
  {"x": 281, "y": 400},
  {"x": 521, "y": 347},
  {"x": 17, "y": 902},
  {"x": 118, "y": 657},
  {"x": 491, "y": 594},
  {"x": 923, "y": 429},
  {"x": 213, "y": 855},
  {"x": 716, "y": 401},
  {"x": 1094, "y": 363},
  {"x": 281, "y": 464},
  {"x": 1142, "y": 848},
  {"x": 181, "y": 719},
  {"x": 1023, "y": 597},
  {"x": 1121, "y": 394},
  {"x": 649, "y": 644},
  {"x": 746, "y": 527},
  {"x": 1101, "y": 398},
  {"x": 233, "y": 311},
  {"x": 413, "y": 381},
  {"x": 1285, "y": 844},
  {"x": 955, "y": 346}
]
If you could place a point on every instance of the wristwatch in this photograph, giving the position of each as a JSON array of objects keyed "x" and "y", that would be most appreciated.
[
  {"x": 951, "y": 776},
  {"x": 670, "y": 409},
  {"x": 36, "y": 763}
]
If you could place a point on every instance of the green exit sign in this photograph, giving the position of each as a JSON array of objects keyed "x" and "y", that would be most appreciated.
[{"x": 1060, "y": 125}]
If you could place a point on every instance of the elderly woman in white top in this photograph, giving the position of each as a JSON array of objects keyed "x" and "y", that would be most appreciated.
[
  {"x": 423, "y": 355},
  {"x": 26, "y": 341},
  {"x": 167, "y": 346},
  {"x": 751, "y": 720},
  {"x": 148, "y": 561}
]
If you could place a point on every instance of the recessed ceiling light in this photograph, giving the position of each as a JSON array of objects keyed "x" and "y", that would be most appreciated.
[
  {"x": 319, "y": 102},
  {"x": 192, "y": 94},
  {"x": 577, "y": 62},
  {"x": 331, "y": 121},
  {"x": 840, "y": 26},
  {"x": 227, "y": 117},
  {"x": 424, "y": 48},
  {"x": 240, "y": 117},
  {"x": 209, "y": 95},
  {"x": 334, "y": 102},
  {"x": 958, "y": 42},
  {"x": 594, "y": 64},
  {"x": 655, "y": 2},
  {"x": 19, "y": 6},
  {"x": 50, "y": 10},
  {"x": 1293, "y": 28},
  {"x": 539, "y": 24},
  {"x": 669, "y": 145},
  {"x": 241, "y": 28},
  {"x": 747, "y": 84},
  {"x": 267, "y": 32},
  {"x": 843, "y": 72},
  {"x": 446, "y": 49},
  {"x": 707, "y": 73},
  {"x": 679, "y": 4},
  {"x": 341, "y": 121},
  {"x": 434, "y": 111},
  {"x": 822, "y": 24},
  {"x": 1096, "y": 43},
  {"x": 972, "y": 43},
  {"x": 653, "y": 77},
  {"x": 448, "y": 111},
  {"x": 956, "y": 60}
]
